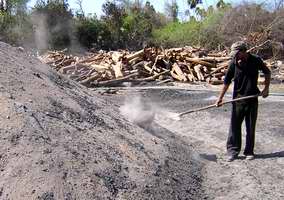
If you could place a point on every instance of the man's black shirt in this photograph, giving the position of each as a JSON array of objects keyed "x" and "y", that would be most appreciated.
[{"x": 245, "y": 75}]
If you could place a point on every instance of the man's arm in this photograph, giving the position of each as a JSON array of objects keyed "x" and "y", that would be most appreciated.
[
  {"x": 223, "y": 92},
  {"x": 227, "y": 81},
  {"x": 267, "y": 77},
  {"x": 265, "y": 91}
]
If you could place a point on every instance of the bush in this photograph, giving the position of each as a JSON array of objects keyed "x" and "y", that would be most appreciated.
[
  {"x": 210, "y": 35},
  {"x": 137, "y": 30},
  {"x": 178, "y": 34},
  {"x": 6, "y": 23},
  {"x": 87, "y": 32},
  {"x": 15, "y": 29},
  {"x": 202, "y": 33}
]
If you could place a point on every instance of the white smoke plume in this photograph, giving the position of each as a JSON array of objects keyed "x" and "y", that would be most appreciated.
[
  {"x": 139, "y": 112},
  {"x": 40, "y": 31}
]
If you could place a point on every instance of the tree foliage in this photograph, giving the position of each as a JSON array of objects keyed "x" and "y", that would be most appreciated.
[
  {"x": 14, "y": 21},
  {"x": 51, "y": 24}
]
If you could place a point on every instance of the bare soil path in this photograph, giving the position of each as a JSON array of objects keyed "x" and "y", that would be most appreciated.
[{"x": 206, "y": 131}]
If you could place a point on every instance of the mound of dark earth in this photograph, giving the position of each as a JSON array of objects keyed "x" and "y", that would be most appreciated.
[{"x": 60, "y": 141}]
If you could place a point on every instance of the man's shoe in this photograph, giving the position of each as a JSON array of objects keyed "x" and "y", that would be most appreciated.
[
  {"x": 231, "y": 158},
  {"x": 249, "y": 157}
]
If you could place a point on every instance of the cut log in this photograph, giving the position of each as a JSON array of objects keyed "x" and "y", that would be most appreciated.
[
  {"x": 135, "y": 55},
  {"x": 205, "y": 69},
  {"x": 152, "y": 78},
  {"x": 64, "y": 70},
  {"x": 76, "y": 67},
  {"x": 198, "y": 72},
  {"x": 177, "y": 70},
  {"x": 55, "y": 61},
  {"x": 134, "y": 60},
  {"x": 219, "y": 54},
  {"x": 87, "y": 81},
  {"x": 100, "y": 68},
  {"x": 114, "y": 82},
  {"x": 179, "y": 49},
  {"x": 116, "y": 56},
  {"x": 92, "y": 59},
  {"x": 175, "y": 76},
  {"x": 73, "y": 77},
  {"x": 164, "y": 81},
  {"x": 83, "y": 75},
  {"x": 127, "y": 72},
  {"x": 67, "y": 62},
  {"x": 215, "y": 59},
  {"x": 147, "y": 68},
  {"x": 139, "y": 65},
  {"x": 60, "y": 63},
  {"x": 190, "y": 77},
  {"x": 117, "y": 68},
  {"x": 155, "y": 63},
  {"x": 199, "y": 61},
  {"x": 221, "y": 66}
]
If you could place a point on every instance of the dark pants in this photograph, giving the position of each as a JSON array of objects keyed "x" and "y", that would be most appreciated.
[{"x": 242, "y": 110}]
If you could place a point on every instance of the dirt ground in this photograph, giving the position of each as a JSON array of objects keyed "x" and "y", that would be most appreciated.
[
  {"x": 206, "y": 131},
  {"x": 61, "y": 141}
]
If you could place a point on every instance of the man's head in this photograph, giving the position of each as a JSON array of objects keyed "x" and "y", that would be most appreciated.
[{"x": 238, "y": 50}]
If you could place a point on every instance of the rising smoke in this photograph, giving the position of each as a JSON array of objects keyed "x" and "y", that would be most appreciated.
[
  {"x": 143, "y": 112},
  {"x": 40, "y": 31},
  {"x": 139, "y": 112},
  {"x": 59, "y": 36}
]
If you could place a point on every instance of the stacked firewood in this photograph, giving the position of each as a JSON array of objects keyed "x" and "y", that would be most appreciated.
[
  {"x": 277, "y": 68},
  {"x": 113, "y": 68}
]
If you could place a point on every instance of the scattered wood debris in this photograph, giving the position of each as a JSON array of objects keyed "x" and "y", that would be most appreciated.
[{"x": 113, "y": 68}]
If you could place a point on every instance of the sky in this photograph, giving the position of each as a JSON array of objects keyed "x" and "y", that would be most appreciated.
[{"x": 95, "y": 6}]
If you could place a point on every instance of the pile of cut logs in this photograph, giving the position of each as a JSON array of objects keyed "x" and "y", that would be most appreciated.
[
  {"x": 277, "y": 68},
  {"x": 114, "y": 68}
]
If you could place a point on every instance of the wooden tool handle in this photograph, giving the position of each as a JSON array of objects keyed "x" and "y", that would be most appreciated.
[{"x": 214, "y": 105}]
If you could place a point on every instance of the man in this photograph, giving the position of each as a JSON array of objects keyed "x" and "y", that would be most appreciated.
[{"x": 244, "y": 69}]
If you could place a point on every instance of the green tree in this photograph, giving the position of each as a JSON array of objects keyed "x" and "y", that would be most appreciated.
[
  {"x": 221, "y": 4},
  {"x": 113, "y": 20},
  {"x": 92, "y": 33},
  {"x": 138, "y": 25},
  {"x": 14, "y": 22}
]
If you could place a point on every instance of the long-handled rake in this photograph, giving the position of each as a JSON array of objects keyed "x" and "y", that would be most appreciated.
[{"x": 179, "y": 115}]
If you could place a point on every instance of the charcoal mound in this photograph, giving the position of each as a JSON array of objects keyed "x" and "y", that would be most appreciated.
[{"x": 60, "y": 141}]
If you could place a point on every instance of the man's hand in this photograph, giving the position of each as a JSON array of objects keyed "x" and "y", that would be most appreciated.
[
  {"x": 265, "y": 92},
  {"x": 219, "y": 102},
  {"x": 220, "y": 98}
]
